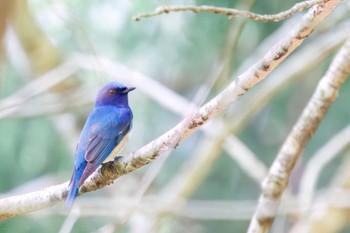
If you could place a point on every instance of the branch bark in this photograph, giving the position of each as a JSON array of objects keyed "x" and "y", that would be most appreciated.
[{"x": 105, "y": 175}]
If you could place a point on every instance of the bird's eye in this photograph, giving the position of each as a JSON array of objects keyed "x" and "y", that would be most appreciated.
[{"x": 113, "y": 91}]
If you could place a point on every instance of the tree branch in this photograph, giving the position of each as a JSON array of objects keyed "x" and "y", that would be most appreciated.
[
  {"x": 230, "y": 13},
  {"x": 278, "y": 177},
  {"x": 105, "y": 175}
]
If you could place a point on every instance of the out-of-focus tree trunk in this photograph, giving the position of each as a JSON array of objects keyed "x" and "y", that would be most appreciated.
[
  {"x": 5, "y": 11},
  {"x": 43, "y": 56}
]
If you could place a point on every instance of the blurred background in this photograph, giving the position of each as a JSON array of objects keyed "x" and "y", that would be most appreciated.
[{"x": 55, "y": 55}]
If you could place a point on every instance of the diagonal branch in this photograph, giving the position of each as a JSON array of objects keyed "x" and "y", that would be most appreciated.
[
  {"x": 298, "y": 7},
  {"x": 278, "y": 177},
  {"x": 22, "y": 204}
]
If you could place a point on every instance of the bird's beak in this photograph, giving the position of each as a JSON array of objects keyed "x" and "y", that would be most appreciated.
[{"x": 129, "y": 89}]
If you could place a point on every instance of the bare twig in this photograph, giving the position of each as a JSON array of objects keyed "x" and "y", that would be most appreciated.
[
  {"x": 108, "y": 172},
  {"x": 230, "y": 13},
  {"x": 278, "y": 177}
]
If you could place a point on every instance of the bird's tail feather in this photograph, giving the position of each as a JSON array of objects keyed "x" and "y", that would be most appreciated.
[{"x": 73, "y": 191}]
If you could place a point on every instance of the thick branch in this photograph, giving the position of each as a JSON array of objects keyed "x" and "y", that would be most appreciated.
[
  {"x": 278, "y": 177},
  {"x": 108, "y": 172},
  {"x": 232, "y": 12}
]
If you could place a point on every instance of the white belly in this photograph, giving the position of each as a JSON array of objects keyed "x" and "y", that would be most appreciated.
[{"x": 115, "y": 151}]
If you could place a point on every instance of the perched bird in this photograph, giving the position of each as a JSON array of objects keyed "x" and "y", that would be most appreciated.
[{"x": 105, "y": 130}]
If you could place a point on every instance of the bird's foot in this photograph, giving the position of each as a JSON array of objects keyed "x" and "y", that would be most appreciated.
[{"x": 116, "y": 160}]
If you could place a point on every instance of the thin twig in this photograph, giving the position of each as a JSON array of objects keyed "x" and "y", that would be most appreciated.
[
  {"x": 230, "y": 13},
  {"x": 278, "y": 177}
]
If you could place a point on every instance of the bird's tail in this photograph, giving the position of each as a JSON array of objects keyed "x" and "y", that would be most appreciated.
[{"x": 73, "y": 190}]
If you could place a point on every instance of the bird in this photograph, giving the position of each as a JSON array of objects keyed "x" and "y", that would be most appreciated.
[{"x": 106, "y": 129}]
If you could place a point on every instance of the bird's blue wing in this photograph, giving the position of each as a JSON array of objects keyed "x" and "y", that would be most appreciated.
[{"x": 103, "y": 136}]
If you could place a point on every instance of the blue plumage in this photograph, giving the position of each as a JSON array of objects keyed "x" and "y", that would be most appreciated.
[{"x": 106, "y": 127}]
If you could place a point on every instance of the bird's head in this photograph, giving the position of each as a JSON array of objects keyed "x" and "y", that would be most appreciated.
[{"x": 115, "y": 94}]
